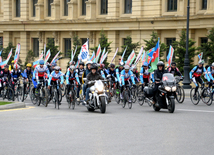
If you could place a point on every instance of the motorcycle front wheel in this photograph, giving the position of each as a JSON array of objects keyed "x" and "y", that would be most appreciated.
[
  {"x": 102, "y": 105},
  {"x": 171, "y": 106}
]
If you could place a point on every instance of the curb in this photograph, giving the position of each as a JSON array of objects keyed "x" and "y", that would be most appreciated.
[{"x": 13, "y": 106}]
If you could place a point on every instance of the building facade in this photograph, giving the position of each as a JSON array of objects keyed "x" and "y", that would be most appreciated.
[{"x": 32, "y": 22}]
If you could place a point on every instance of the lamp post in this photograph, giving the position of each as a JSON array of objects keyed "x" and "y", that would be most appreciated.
[{"x": 186, "y": 82}]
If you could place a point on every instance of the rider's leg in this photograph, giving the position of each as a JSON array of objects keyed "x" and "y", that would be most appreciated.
[{"x": 87, "y": 94}]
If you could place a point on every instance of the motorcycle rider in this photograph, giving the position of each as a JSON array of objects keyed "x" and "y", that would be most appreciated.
[
  {"x": 158, "y": 74},
  {"x": 93, "y": 75},
  {"x": 80, "y": 72},
  {"x": 195, "y": 76},
  {"x": 126, "y": 74},
  {"x": 174, "y": 70}
]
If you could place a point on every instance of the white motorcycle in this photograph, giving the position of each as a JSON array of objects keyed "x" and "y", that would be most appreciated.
[{"x": 97, "y": 96}]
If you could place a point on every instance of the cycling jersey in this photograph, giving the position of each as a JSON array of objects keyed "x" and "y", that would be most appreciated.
[
  {"x": 174, "y": 71},
  {"x": 210, "y": 72},
  {"x": 54, "y": 77},
  {"x": 5, "y": 74},
  {"x": 198, "y": 71},
  {"x": 28, "y": 72},
  {"x": 126, "y": 77},
  {"x": 40, "y": 72},
  {"x": 71, "y": 76},
  {"x": 144, "y": 74},
  {"x": 16, "y": 74}
]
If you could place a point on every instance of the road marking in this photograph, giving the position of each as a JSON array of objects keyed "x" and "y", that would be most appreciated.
[
  {"x": 196, "y": 110},
  {"x": 30, "y": 107}
]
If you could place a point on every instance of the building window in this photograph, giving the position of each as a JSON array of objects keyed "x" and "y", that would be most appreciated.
[
  {"x": 34, "y": 7},
  {"x": 172, "y": 5},
  {"x": 66, "y": 7},
  {"x": 49, "y": 7},
  {"x": 1, "y": 41},
  {"x": 169, "y": 42},
  {"x": 84, "y": 7},
  {"x": 204, "y": 40},
  {"x": 204, "y": 4},
  {"x": 104, "y": 6},
  {"x": 36, "y": 47},
  {"x": 67, "y": 46},
  {"x": 83, "y": 40},
  {"x": 17, "y": 8},
  {"x": 128, "y": 6}
]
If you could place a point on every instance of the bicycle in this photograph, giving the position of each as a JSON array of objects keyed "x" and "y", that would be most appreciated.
[
  {"x": 7, "y": 92},
  {"x": 180, "y": 94},
  {"x": 204, "y": 94},
  {"x": 127, "y": 97},
  {"x": 18, "y": 90},
  {"x": 141, "y": 94},
  {"x": 71, "y": 97},
  {"x": 41, "y": 94},
  {"x": 26, "y": 89},
  {"x": 57, "y": 98}
]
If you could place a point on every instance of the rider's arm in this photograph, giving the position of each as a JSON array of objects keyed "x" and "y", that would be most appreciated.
[
  {"x": 122, "y": 77},
  {"x": 25, "y": 73},
  {"x": 141, "y": 75},
  {"x": 62, "y": 77},
  {"x": 192, "y": 71},
  {"x": 118, "y": 74},
  {"x": 77, "y": 78},
  {"x": 67, "y": 77},
  {"x": 132, "y": 76},
  {"x": 50, "y": 78},
  {"x": 48, "y": 72},
  {"x": 178, "y": 72},
  {"x": 103, "y": 75},
  {"x": 205, "y": 72},
  {"x": 35, "y": 73},
  {"x": 209, "y": 73},
  {"x": 152, "y": 76}
]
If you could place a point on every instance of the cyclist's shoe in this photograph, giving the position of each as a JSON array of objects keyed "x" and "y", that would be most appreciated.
[
  {"x": 194, "y": 97},
  {"x": 121, "y": 96},
  {"x": 36, "y": 93},
  {"x": 84, "y": 103},
  {"x": 59, "y": 103},
  {"x": 78, "y": 99},
  {"x": 130, "y": 100}
]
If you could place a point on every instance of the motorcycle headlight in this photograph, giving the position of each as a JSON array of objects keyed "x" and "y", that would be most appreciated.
[
  {"x": 174, "y": 88},
  {"x": 100, "y": 89},
  {"x": 167, "y": 88}
]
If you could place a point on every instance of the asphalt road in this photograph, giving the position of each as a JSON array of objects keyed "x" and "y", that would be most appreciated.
[{"x": 140, "y": 130}]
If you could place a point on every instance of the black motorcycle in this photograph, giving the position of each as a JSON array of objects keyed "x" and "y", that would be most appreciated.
[{"x": 166, "y": 93}]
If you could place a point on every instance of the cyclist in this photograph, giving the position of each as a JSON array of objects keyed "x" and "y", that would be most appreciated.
[
  {"x": 11, "y": 66},
  {"x": 174, "y": 70},
  {"x": 15, "y": 74},
  {"x": 100, "y": 71},
  {"x": 71, "y": 77},
  {"x": 210, "y": 71},
  {"x": 111, "y": 71},
  {"x": 144, "y": 74},
  {"x": 118, "y": 71},
  {"x": 195, "y": 76},
  {"x": 27, "y": 72},
  {"x": 52, "y": 66},
  {"x": 126, "y": 74},
  {"x": 80, "y": 72},
  {"x": 5, "y": 76},
  {"x": 135, "y": 73}
]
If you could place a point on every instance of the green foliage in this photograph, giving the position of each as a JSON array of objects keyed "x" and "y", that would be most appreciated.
[
  {"x": 103, "y": 41},
  {"x": 30, "y": 57},
  {"x": 53, "y": 49},
  {"x": 152, "y": 43},
  {"x": 180, "y": 50},
  {"x": 208, "y": 48},
  {"x": 130, "y": 47}
]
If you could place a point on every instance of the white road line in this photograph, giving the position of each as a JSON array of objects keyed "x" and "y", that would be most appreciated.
[{"x": 196, "y": 110}]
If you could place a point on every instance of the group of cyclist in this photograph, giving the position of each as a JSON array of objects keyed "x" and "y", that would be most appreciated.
[{"x": 121, "y": 75}]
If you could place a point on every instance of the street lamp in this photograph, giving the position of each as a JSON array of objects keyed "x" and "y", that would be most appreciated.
[{"x": 186, "y": 82}]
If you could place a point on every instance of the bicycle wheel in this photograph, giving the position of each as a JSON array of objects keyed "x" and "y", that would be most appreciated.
[
  {"x": 72, "y": 98},
  {"x": 33, "y": 97},
  {"x": 133, "y": 95},
  {"x": 63, "y": 90},
  {"x": 23, "y": 95},
  {"x": 117, "y": 96},
  {"x": 44, "y": 97},
  {"x": 4, "y": 93},
  {"x": 130, "y": 100},
  {"x": 125, "y": 98},
  {"x": 60, "y": 95},
  {"x": 180, "y": 94},
  {"x": 10, "y": 94},
  {"x": 206, "y": 96},
  {"x": 195, "y": 100},
  {"x": 19, "y": 93},
  {"x": 141, "y": 99}
]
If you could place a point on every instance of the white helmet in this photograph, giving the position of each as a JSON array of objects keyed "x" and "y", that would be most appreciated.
[
  {"x": 213, "y": 64},
  {"x": 201, "y": 62},
  {"x": 89, "y": 62},
  {"x": 57, "y": 68},
  {"x": 72, "y": 68},
  {"x": 126, "y": 67}
]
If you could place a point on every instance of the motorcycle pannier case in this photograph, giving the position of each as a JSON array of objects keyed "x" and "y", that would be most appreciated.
[{"x": 148, "y": 91}]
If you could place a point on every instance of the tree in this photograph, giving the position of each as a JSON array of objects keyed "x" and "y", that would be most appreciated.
[
  {"x": 53, "y": 49},
  {"x": 30, "y": 57},
  {"x": 103, "y": 41},
  {"x": 152, "y": 43},
  {"x": 130, "y": 47},
  {"x": 180, "y": 50},
  {"x": 208, "y": 48}
]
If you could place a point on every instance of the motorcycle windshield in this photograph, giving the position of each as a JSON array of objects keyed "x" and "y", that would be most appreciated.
[
  {"x": 168, "y": 78},
  {"x": 98, "y": 84}
]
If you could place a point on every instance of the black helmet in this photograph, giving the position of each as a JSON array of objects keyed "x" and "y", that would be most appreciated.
[
  {"x": 6, "y": 66},
  {"x": 82, "y": 63},
  {"x": 173, "y": 63},
  {"x": 93, "y": 66},
  {"x": 112, "y": 65},
  {"x": 160, "y": 63}
]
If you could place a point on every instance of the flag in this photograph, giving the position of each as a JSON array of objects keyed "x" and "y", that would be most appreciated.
[
  {"x": 98, "y": 53},
  {"x": 48, "y": 54},
  {"x": 170, "y": 55},
  {"x": 77, "y": 64},
  {"x": 92, "y": 56},
  {"x": 44, "y": 49},
  {"x": 0, "y": 52},
  {"x": 2, "y": 64},
  {"x": 138, "y": 57},
  {"x": 55, "y": 57},
  {"x": 155, "y": 57},
  {"x": 72, "y": 55},
  {"x": 35, "y": 63},
  {"x": 85, "y": 52},
  {"x": 41, "y": 56},
  {"x": 149, "y": 55},
  {"x": 130, "y": 58},
  {"x": 121, "y": 60},
  {"x": 0, "y": 59},
  {"x": 143, "y": 57},
  {"x": 114, "y": 55},
  {"x": 102, "y": 55},
  {"x": 16, "y": 57},
  {"x": 200, "y": 55}
]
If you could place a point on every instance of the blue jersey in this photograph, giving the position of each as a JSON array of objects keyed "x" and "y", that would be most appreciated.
[
  {"x": 210, "y": 72},
  {"x": 16, "y": 74},
  {"x": 27, "y": 73},
  {"x": 126, "y": 76},
  {"x": 71, "y": 76},
  {"x": 198, "y": 71},
  {"x": 54, "y": 77}
]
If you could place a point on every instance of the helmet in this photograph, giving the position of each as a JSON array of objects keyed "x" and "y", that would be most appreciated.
[
  {"x": 72, "y": 68},
  {"x": 57, "y": 68},
  {"x": 121, "y": 63},
  {"x": 29, "y": 65},
  {"x": 112, "y": 65},
  {"x": 213, "y": 64},
  {"x": 126, "y": 67},
  {"x": 12, "y": 61},
  {"x": 16, "y": 66},
  {"x": 145, "y": 64},
  {"x": 98, "y": 65},
  {"x": 201, "y": 62},
  {"x": 134, "y": 67},
  {"x": 102, "y": 66},
  {"x": 173, "y": 63},
  {"x": 53, "y": 64},
  {"x": 160, "y": 63},
  {"x": 73, "y": 63},
  {"x": 89, "y": 62},
  {"x": 81, "y": 63},
  {"x": 41, "y": 62},
  {"x": 93, "y": 66},
  {"x": 6, "y": 66}
]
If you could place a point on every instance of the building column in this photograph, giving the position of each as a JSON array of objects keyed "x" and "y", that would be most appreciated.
[
  {"x": 113, "y": 9},
  {"x": 41, "y": 36},
  {"x": 113, "y": 36},
  {"x": 210, "y": 7},
  {"x": 25, "y": 44},
  {"x": 7, "y": 10},
  {"x": 7, "y": 38},
  {"x": 72, "y": 10},
  {"x": 90, "y": 9},
  {"x": 39, "y": 10},
  {"x": 24, "y": 10},
  {"x": 55, "y": 10},
  {"x": 136, "y": 9},
  {"x": 56, "y": 38}
]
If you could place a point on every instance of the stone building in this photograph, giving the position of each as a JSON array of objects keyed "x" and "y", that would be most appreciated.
[{"x": 32, "y": 22}]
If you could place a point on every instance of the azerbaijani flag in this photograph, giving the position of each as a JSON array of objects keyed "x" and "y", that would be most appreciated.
[
  {"x": 36, "y": 63},
  {"x": 200, "y": 55},
  {"x": 121, "y": 60},
  {"x": 55, "y": 57},
  {"x": 2, "y": 64},
  {"x": 149, "y": 55},
  {"x": 131, "y": 58},
  {"x": 102, "y": 55},
  {"x": 155, "y": 57},
  {"x": 143, "y": 57},
  {"x": 16, "y": 57},
  {"x": 114, "y": 56},
  {"x": 98, "y": 53},
  {"x": 92, "y": 56},
  {"x": 48, "y": 54},
  {"x": 77, "y": 64},
  {"x": 41, "y": 56},
  {"x": 138, "y": 57},
  {"x": 170, "y": 55},
  {"x": 44, "y": 49}
]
